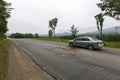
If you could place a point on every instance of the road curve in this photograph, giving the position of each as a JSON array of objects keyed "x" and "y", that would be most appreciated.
[{"x": 66, "y": 63}]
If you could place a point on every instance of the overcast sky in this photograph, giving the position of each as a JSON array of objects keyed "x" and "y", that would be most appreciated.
[{"x": 32, "y": 16}]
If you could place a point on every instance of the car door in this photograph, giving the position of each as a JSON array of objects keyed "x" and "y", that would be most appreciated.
[
  {"x": 77, "y": 42},
  {"x": 83, "y": 42}
]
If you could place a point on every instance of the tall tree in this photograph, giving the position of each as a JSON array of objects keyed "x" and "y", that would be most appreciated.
[
  {"x": 110, "y": 8},
  {"x": 4, "y": 15},
  {"x": 53, "y": 24},
  {"x": 74, "y": 31},
  {"x": 99, "y": 21}
]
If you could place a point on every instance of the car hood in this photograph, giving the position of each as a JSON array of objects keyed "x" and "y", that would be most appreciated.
[{"x": 71, "y": 40}]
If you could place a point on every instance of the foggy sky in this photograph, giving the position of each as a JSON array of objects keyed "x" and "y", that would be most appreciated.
[{"x": 32, "y": 16}]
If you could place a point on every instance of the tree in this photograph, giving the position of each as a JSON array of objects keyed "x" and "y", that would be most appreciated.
[
  {"x": 36, "y": 35},
  {"x": 74, "y": 31},
  {"x": 53, "y": 24},
  {"x": 29, "y": 35},
  {"x": 99, "y": 21},
  {"x": 4, "y": 15},
  {"x": 50, "y": 33},
  {"x": 20, "y": 35},
  {"x": 110, "y": 8},
  {"x": 17, "y": 35}
]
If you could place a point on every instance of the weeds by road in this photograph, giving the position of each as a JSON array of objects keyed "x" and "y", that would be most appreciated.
[
  {"x": 3, "y": 58},
  {"x": 112, "y": 44}
]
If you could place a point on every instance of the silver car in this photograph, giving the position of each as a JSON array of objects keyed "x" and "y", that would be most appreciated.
[{"x": 86, "y": 42}]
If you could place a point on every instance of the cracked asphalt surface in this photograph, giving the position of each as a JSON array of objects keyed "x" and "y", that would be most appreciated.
[{"x": 66, "y": 63}]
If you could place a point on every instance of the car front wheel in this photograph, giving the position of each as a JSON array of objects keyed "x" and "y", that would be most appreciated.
[
  {"x": 71, "y": 44},
  {"x": 90, "y": 47}
]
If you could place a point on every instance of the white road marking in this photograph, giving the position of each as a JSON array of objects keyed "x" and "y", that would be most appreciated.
[
  {"x": 28, "y": 53},
  {"x": 16, "y": 44}
]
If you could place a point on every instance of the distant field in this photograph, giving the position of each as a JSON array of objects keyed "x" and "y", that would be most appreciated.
[
  {"x": 107, "y": 44},
  {"x": 3, "y": 58}
]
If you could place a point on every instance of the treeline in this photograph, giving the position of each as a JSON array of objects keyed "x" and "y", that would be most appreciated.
[
  {"x": 27, "y": 35},
  {"x": 105, "y": 37}
]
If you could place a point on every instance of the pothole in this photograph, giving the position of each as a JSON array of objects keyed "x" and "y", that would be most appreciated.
[{"x": 96, "y": 67}]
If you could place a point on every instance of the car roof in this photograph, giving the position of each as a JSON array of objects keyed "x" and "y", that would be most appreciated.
[{"x": 84, "y": 37}]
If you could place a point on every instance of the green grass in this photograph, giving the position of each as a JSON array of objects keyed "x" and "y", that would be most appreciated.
[
  {"x": 112, "y": 44},
  {"x": 107, "y": 44},
  {"x": 3, "y": 59}
]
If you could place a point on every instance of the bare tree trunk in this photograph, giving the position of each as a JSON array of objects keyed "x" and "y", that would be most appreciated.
[
  {"x": 54, "y": 32},
  {"x": 101, "y": 34}
]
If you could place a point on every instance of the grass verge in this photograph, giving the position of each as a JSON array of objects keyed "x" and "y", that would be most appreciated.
[
  {"x": 3, "y": 59},
  {"x": 107, "y": 44},
  {"x": 112, "y": 44}
]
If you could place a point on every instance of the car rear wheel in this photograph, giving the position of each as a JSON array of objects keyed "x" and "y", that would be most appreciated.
[
  {"x": 90, "y": 47},
  {"x": 71, "y": 44}
]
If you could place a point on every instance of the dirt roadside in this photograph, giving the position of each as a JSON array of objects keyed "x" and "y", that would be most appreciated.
[{"x": 21, "y": 67}]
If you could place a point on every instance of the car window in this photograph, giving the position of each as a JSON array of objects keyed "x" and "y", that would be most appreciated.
[
  {"x": 82, "y": 39},
  {"x": 85, "y": 39},
  {"x": 78, "y": 39}
]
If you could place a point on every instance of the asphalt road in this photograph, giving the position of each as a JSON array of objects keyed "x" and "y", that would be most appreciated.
[{"x": 66, "y": 63}]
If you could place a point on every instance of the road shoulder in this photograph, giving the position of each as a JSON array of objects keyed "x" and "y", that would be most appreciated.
[{"x": 21, "y": 67}]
